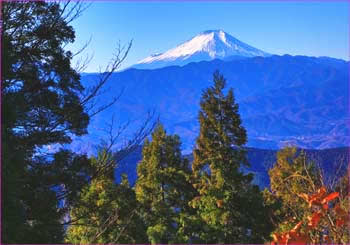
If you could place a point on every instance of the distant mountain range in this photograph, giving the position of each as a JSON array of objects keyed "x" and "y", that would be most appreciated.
[
  {"x": 207, "y": 45},
  {"x": 283, "y": 99},
  {"x": 333, "y": 163}
]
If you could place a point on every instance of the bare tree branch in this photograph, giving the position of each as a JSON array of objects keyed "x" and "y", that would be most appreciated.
[
  {"x": 113, "y": 136},
  {"x": 93, "y": 91}
]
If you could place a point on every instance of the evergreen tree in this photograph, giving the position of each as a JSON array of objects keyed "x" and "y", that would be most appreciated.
[
  {"x": 228, "y": 205},
  {"x": 43, "y": 104},
  {"x": 106, "y": 212},
  {"x": 40, "y": 106},
  {"x": 163, "y": 188}
]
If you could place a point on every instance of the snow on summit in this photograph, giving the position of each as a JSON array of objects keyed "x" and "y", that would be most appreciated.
[{"x": 208, "y": 45}]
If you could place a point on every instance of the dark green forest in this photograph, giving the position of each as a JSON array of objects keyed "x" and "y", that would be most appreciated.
[{"x": 68, "y": 197}]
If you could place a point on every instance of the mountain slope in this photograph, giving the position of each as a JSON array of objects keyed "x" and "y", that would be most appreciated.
[
  {"x": 333, "y": 163},
  {"x": 208, "y": 45},
  {"x": 283, "y": 99}
]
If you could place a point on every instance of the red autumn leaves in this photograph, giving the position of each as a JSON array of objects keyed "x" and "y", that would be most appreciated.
[
  {"x": 293, "y": 236},
  {"x": 314, "y": 219},
  {"x": 321, "y": 200}
]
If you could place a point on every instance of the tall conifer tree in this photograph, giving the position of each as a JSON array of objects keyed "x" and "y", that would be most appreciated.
[
  {"x": 43, "y": 104},
  {"x": 163, "y": 188},
  {"x": 229, "y": 206}
]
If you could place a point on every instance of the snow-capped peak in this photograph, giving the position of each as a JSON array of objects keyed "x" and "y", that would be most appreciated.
[{"x": 207, "y": 45}]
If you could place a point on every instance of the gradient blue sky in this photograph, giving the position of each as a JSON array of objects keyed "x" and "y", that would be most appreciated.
[{"x": 296, "y": 28}]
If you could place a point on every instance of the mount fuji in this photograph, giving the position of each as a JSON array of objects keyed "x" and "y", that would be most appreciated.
[{"x": 206, "y": 46}]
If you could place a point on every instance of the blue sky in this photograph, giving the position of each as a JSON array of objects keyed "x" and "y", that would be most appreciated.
[{"x": 296, "y": 28}]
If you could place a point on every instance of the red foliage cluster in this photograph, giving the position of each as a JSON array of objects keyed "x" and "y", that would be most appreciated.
[
  {"x": 320, "y": 199},
  {"x": 293, "y": 236}
]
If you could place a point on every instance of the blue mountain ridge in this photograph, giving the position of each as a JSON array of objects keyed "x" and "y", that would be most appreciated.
[
  {"x": 333, "y": 162},
  {"x": 283, "y": 100}
]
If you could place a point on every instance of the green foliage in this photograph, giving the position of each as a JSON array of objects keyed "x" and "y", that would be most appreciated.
[
  {"x": 229, "y": 207},
  {"x": 163, "y": 188},
  {"x": 106, "y": 212},
  {"x": 290, "y": 176},
  {"x": 40, "y": 106}
]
